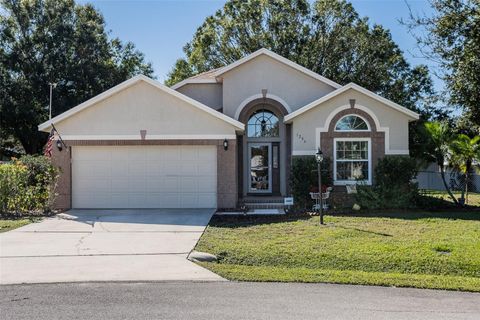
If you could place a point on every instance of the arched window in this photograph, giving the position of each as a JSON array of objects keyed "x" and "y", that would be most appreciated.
[
  {"x": 351, "y": 123},
  {"x": 262, "y": 124}
]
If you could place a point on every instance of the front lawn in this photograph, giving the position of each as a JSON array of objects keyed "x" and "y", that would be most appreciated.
[
  {"x": 10, "y": 224},
  {"x": 424, "y": 250}
]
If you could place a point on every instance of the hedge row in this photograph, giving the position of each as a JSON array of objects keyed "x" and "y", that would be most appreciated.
[{"x": 27, "y": 185}]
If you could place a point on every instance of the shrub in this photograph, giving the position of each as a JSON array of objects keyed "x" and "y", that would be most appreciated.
[
  {"x": 27, "y": 185},
  {"x": 304, "y": 179},
  {"x": 393, "y": 187}
]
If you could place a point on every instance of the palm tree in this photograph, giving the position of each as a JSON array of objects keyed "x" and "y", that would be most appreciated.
[
  {"x": 465, "y": 151},
  {"x": 439, "y": 139}
]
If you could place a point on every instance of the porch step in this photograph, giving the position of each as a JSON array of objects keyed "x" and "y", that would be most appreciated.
[
  {"x": 265, "y": 205},
  {"x": 254, "y": 212},
  {"x": 262, "y": 200},
  {"x": 265, "y": 211}
]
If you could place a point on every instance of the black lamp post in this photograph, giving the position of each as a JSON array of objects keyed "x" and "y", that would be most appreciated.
[{"x": 319, "y": 158}]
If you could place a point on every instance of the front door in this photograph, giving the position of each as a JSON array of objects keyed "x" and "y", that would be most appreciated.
[{"x": 260, "y": 167}]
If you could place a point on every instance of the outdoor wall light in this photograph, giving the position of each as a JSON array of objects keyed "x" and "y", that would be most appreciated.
[
  {"x": 225, "y": 144},
  {"x": 59, "y": 145},
  {"x": 319, "y": 156}
]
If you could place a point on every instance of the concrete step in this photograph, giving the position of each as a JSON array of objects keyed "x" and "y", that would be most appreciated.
[
  {"x": 262, "y": 200},
  {"x": 253, "y": 212},
  {"x": 265, "y": 205}
]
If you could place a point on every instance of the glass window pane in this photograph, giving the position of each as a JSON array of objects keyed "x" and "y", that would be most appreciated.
[
  {"x": 263, "y": 123},
  {"x": 352, "y": 160},
  {"x": 352, "y": 171},
  {"x": 351, "y": 123}
]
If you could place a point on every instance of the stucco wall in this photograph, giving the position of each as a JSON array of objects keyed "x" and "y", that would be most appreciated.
[
  {"x": 392, "y": 122},
  {"x": 143, "y": 107},
  {"x": 294, "y": 87},
  {"x": 209, "y": 94}
]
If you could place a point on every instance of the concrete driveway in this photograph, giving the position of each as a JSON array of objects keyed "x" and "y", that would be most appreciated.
[{"x": 105, "y": 245}]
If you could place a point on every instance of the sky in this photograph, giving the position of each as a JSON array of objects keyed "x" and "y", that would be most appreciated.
[{"x": 160, "y": 28}]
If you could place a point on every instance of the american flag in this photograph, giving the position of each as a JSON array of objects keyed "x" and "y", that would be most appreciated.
[{"x": 49, "y": 145}]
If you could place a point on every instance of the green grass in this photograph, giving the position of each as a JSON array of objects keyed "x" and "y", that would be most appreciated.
[
  {"x": 424, "y": 250},
  {"x": 10, "y": 224},
  {"x": 473, "y": 197}
]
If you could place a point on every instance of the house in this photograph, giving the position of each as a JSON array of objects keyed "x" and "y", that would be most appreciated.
[{"x": 217, "y": 138}]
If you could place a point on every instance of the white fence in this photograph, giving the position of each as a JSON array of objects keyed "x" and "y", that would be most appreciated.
[{"x": 432, "y": 180}]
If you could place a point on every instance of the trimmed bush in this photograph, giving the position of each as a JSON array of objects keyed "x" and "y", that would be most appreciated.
[
  {"x": 304, "y": 179},
  {"x": 393, "y": 187},
  {"x": 27, "y": 185}
]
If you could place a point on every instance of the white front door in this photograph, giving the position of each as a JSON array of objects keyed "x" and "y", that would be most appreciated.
[
  {"x": 144, "y": 177},
  {"x": 260, "y": 167}
]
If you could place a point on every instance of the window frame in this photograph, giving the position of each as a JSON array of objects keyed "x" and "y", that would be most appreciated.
[
  {"x": 247, "y": 125},
  {"x": 355, "y": 115},
  {"x": 350, "y": 182}
]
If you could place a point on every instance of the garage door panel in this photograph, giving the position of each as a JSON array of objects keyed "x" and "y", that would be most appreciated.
[
  {"x": 137, "y": 200},
  {"x": 155, "y": 154},
  {"x": 189, "y": 200},
  {"x": 205, "y": 198},
  {"x": 187, "y": 169},
  {"x": 207, "y": 168},
  {"x": 171, "y": 167},
  {"x": 154, "y": 184},
  {"x": 92, "y": 185},
  {"x": 100, "y": 201},
  {"x": 144, "y": 177},
  {"x": 119, "y": 199},
  {"x": 189, "y": 153},
  {"x": 171, "y": 200},
  {"x": 169, "y": 184},
  {"x": 170, "y": 153},
  {"x": 155, "y": 168},
  {"x": 137, "y": 153},
  {"x": 119, "y": 168},
  {"x": 137, "y": 168},
  {"x": 189, "y": 184},
  {"x": 207, "y": 185}
]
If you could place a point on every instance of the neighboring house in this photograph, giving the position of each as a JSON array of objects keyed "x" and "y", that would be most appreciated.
[{"x": 214, "y": 139}]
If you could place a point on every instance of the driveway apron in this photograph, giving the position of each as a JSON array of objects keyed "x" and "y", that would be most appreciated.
[{"x": 106, "y": 245}]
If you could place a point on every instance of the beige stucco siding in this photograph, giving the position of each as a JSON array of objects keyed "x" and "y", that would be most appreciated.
[
  {"x": 292, "y": 86},
  {"x": 209, "y": 94},
  {"x": 394, "y": 123},
  {"x": 143, "y": 107}
]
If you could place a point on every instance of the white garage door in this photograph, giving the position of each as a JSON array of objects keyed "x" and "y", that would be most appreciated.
[{"x": 144, "y": 177}]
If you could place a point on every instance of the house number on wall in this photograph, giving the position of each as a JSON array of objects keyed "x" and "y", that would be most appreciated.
[{"x": 301, "y": 138}]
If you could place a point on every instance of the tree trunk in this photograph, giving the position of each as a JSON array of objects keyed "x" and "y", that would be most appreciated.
[
  {"x": 468, "y": 167},
  {"x": 442, "y": 173}
]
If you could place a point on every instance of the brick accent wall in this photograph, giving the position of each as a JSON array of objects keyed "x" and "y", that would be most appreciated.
[
  {"x": 377, "y": 138},
  {"x": 227, "y": 175},
  {"x": 227, "y": 192},
  {"x": 61, "y": 159}
]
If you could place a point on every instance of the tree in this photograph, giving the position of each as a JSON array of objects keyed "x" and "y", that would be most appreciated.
[
  {"x": 327, "y": 37},
  {"x": 55, "y": 41},
  {"x": 465, "y": 151},
  {"x": 450, "y": 37},
  {"x": 438, "y": 139}
]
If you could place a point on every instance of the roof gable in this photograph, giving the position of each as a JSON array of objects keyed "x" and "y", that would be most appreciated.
[
  {"x": 413, "y": 115},
  {"x": 213, "y": 75},
  {"x": 46, "y": 126}
]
